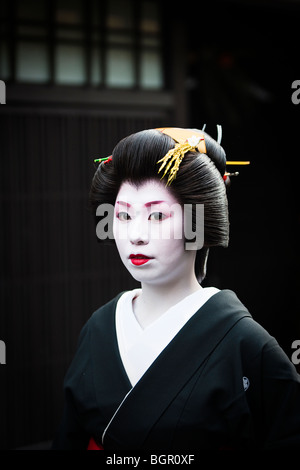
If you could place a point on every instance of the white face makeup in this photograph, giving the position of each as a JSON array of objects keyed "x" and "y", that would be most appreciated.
[{"x": 148, "y": 230}]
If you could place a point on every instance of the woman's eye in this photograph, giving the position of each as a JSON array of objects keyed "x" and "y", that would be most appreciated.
[
  {"x": 157, "y": 216},
  {"x": 123, "y": 216}
]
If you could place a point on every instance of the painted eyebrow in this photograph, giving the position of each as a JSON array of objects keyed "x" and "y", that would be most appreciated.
[
  {"x": 122, "y": 203},
  {"x": 148, "y": 204}
]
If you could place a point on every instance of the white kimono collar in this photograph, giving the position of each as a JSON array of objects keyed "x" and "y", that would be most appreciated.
[{"x": 140, "y": 347}]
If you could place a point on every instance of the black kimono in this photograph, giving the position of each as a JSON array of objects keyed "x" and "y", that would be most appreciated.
[{"x": 222, "y": 383}]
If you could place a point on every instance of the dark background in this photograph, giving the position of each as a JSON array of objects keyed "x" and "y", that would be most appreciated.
[{"x": 225, "y": 62}]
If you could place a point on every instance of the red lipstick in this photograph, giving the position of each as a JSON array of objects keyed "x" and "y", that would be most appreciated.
[{"x": 139, "y": 259}]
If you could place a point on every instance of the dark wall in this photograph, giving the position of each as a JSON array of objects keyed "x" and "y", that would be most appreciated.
[{"x": 241, "y": 69}]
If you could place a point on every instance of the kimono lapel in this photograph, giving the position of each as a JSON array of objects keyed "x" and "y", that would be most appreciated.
[{"x": 173, "y": 368}]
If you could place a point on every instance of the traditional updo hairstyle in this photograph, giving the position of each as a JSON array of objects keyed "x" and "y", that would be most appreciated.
[{"x": 199, "y": 180}]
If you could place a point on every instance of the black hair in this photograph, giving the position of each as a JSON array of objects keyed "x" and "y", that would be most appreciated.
[{"x": 199, "y": 180}]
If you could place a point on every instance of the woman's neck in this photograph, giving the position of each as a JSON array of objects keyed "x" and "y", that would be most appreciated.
[{"x": 156, "y": 299}]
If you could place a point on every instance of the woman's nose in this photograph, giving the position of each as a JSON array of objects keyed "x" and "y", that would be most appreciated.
[{"x": 138, "y": 233}]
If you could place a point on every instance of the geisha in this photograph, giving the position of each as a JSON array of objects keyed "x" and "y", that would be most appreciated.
[{"x": 173, "y": 365}]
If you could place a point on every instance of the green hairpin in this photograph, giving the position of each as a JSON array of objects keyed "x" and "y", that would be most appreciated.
[{"x": 105, "y": 159}]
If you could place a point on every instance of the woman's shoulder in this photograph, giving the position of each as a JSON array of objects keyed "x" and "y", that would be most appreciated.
[
  {"x": 107, "y": 310},
  {"x": 98, "y": 320},
  {"x": 104, "y": 311},
  {"x": 249, "y": 339},
  {"x": 245, "y": 329},
  {"x": 97, "y": 327},
  {"x": 249, "y": 326}
]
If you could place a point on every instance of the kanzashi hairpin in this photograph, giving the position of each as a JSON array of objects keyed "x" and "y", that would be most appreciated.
[
  {"x": 188, "y": 140},
  {"x": 236, "y": 173},
  {"x": 237, "y": 162},
  {"x": 226, "y": 175},
  {"x": 105, "y": 159}
]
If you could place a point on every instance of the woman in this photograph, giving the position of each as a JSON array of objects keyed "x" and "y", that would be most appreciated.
[{"x": 173, "y": 365}]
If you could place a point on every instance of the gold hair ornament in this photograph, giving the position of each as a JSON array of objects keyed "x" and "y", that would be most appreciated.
[{"x": 188, "y": 140}]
